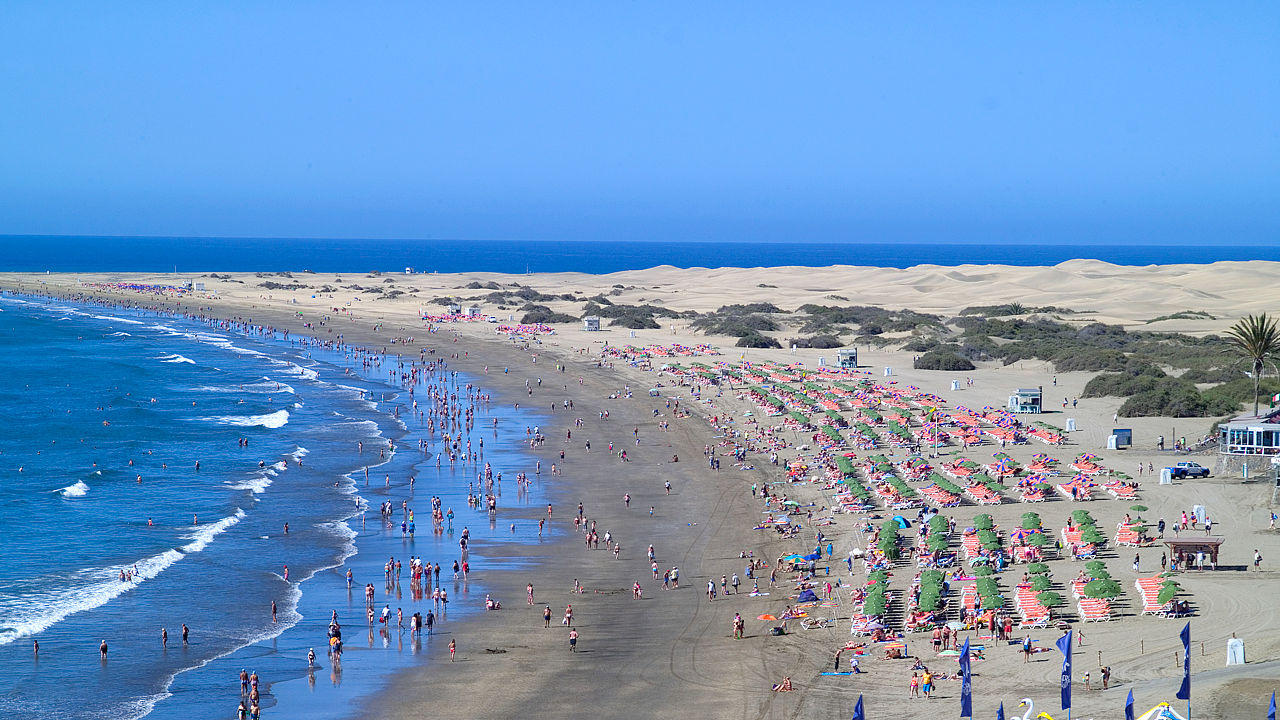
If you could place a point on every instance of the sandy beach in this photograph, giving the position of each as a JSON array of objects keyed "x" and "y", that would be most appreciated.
[{"x": 673, "y": 649}]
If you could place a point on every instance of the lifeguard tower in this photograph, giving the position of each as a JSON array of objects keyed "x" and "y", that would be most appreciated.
[
  {"x": 848, "y": 358},
  {"x": 591, "y": 323}
]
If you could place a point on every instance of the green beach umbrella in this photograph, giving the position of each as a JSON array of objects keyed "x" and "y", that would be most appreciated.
[
  {"x": 992, "y": 602},
  {"x": 1101, "y": 588},
  {"x": 1092, "y": 536},
  {"x": 1037, "y": 568},
  {"x": 1040, "y": 583},
  {"x": 1049, "y": 599}
]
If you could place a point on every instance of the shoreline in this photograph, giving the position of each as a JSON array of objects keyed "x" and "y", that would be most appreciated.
[{"x": 647, "y": 655}]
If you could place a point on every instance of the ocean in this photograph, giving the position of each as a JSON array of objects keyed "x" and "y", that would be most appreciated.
[
  {"x": 108, "y": 413},
  {"x": 120, "y": 254}
]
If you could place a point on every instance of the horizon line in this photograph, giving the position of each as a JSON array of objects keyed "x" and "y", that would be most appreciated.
[{"x": 851, "y": 241}]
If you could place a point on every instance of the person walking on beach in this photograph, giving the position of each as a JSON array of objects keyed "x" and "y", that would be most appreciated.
[
  {"x": 546, "y": 617},
  {"x": 914, "y": 691},
  {"x": 453, "y": 648},
  {"x": 573, "y": 641},
  {"x": 1257, "y": 559}
]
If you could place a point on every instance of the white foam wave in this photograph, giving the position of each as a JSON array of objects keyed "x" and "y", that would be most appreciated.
[
  {"x": 262, "y": 387},
  {"x": 118, "y": 319},
  {"x": 175, "y": 358},
  {"x": 119, "y": 334},
  {"x": 34, "y": 613},
  {"x": 296, "y": 370},
  {"x": 277, "y": 419},
  {"x": 201, "y": 538},
  {"x": 79, "y": 489},
  {"x": 222, "y": 342},
  {"x": 257, "y": 484}
]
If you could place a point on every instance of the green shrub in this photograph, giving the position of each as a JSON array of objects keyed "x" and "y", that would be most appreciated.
[
  {"x": 735, "y": 325},
  {"x": 756, "y": 340},
  {"x": 636, "y": 322},
  {"x": 543, "y": 314},
  {"x": 820, "y": 342},
  {"x": 921, "y": 345},
  {"x": 948, "y": 361}
]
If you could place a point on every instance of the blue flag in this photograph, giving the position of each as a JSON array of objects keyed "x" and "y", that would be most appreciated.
[
  {"x": 1128, "y": 707},
  {"x": 1000, "y": 711},
  {"x": 857, "y": 710},
  {"x": 1184, "y": 692},
  {"x": 1064, "y": 644},
  {"x": 1271, "y": 714},
  {"x": 966, "y": 683}
]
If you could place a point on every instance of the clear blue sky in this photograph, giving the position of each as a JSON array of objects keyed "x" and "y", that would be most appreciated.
[{"x": 1155, "y": 121}]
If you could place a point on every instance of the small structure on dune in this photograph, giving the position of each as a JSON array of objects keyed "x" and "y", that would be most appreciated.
[
  {"x": 591, "y": 323},
  {"x": 1026, "y": 400}
]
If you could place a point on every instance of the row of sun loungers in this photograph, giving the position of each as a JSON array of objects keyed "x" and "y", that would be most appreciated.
[{"x": 1034, "y": 615}]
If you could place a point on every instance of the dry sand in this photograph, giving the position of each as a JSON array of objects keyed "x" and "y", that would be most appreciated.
[{"x": 672, "y": 651}]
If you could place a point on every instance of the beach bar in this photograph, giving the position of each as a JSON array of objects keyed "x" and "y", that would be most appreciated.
[
  {"x": 848, "y": 358},
  {"x": 1026, "y": 400},
  {"x": 1251, "y": 434},
  {"x": 591, "y": 323},
  {"x": 1249, "y": 441}
]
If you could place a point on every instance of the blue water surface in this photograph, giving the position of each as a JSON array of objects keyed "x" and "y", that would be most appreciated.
[
  {"x": 107, "y": 414},
  {"x": 116, "y": 254}
]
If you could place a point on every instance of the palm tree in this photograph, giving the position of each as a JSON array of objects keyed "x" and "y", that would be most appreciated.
[{"x": 1257, "y": 337}]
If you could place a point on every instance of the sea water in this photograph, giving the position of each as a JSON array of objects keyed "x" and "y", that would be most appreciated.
[
  {"x": 158, "y": 254},
  {"x": 107, "y": 413}
]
